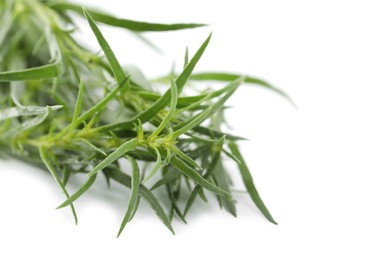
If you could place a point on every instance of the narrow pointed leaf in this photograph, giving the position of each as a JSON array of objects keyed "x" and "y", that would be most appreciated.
[
  {"x": 155, "y": 168},
  {"x": 167, "y": 178},
  {"x": 164, "y": 100},
  {"x": 52, "y": 170},
  {"x": 92, "y": 146},
  {"x": 30, "y": 123},
  {"x": 119, "y": 152},
  {"x": 216, "y": 107},
  {"x": 25, "y": 111},
  {"x": 221, "y": 180},
  {"x": 195, "y": 176},
  {"x": 191, "y": 199},
  {"x": 215, "y": 157},
  {"x": 156, "y": 206},
  {"x": 171, "y": 112},
  {"x": 79, "y": 104},
  {"x": 125, "y": 23},
  {"x": 194, "y": 122},
  {"x": 220, "y": 76},
  {"x": 66, "y": 176},
  {"x": 216, "y": 134},
  {"x": 148, "y": 42},
  {"x": 174, "y": 204},
  {"x": 186, "y": 58},
  {"x": 102, "y": 103},
  {"x": 43, "y": 72},
  {"x": 248, "y": 181},
  {"x": 78, "y": 193},
  {"x": 112, "y": 60},
  {"x": 135, "y": 208},
  {"x": 135, "y": 183},
  {"x": 202, "y": 195},
  {"x": 146, "y": 195},
  {"x": 185, "y": 158}
]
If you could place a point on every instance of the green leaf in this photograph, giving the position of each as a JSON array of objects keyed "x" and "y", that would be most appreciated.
[
  {"x": 135, "y": 208},
  {"x": 164, "y": 100},
  {"x": 167, "y": 178},
  {"x": 119, "y": 152},
  {"x": 171, "y": 112},
  {"x": 143, "y": 155},
  {"x": 147, "y": 42},
  {"x": 221, "y": 180},
  {"x": 180, "y": 81},
  {"x": 232, "y": 87},
  {"x": 125, "y": 23},
  {"x": 33, "y": 122},
  {"x": 185, "y": 157},
  {"x": 112, "y": 60},
  {"x": 174, "y": 203},
  {"x": 220, "y": 76},
  {"x": 137, "y": 77},
  {"x": 101, "y": 104},
  {"x": 155, "y": 168},
  {"x": 156, "y": 206},
  {"x": 78, "y": 193},
  {"x": 216, "y": 134},
  {"x": 91, "y": 145},
  {"x": 231, "y": 156},
  {"x": 187, "y": 102},
  {"x": 186, "y": 58},
  {"x": 48, "y": 71},
  {"x": 45, "y": 159},
  {"x": 146, "y": 195},
  {"x": 248, "y": 181},
  {"x": 196, "y": 120},
  {"x": 79, "y": 104},
  {"x": 215, "y": 156},
  {"x": 191, "y": 199},
  {"x": 135, "y": 183},
  {"x": 6, "y": 22},
  {"x": 195, "y": 176},
  {"x": 66, "y": 176},
  {"x": 25, "y": 111}
]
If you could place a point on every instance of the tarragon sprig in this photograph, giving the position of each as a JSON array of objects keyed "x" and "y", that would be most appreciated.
[{"x": 72, "y": 111}]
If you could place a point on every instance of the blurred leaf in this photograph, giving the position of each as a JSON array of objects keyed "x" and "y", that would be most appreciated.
[
  {"x": 221, "y": 76},
  {"x": 124, "y": 23},
  {"x": 25, "y": 111},
  {"x": 42, "y": 72}
]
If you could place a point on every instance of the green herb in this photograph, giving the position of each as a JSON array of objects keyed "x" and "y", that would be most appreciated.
[{"x": 72, "y": 111}]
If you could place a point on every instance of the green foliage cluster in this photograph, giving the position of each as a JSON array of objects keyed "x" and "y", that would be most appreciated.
[{"x": 72, "y": 111}]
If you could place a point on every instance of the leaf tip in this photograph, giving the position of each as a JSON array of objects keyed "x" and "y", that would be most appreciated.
[{"x": 63, "y": 205}]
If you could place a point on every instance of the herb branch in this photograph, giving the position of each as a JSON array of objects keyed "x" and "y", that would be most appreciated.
[{"x": 72, "y": 111}]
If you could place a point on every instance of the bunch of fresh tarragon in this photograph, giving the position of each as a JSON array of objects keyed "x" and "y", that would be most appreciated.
[{"x": 72, "y": 111}]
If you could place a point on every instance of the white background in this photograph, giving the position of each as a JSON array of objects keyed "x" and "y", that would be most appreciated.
[{"x": 322, "y": 169}]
